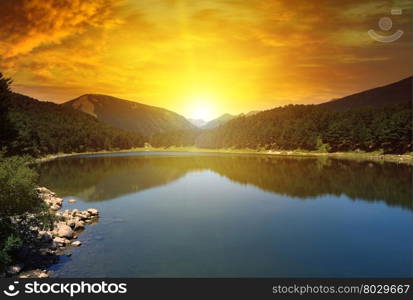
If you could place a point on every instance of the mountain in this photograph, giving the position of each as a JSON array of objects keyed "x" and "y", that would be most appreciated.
[
  {"x": 225, "y": 118},
  {"x": 379, "y": 119},
  {"x": 252, "y": 112},
  {"x": 218, "y": 121},
  {"x": 392, "y": 93},
  {"x": 129, "y": 115},
  {"x": 37, "y": 128},
  {"x": 197, "y": 122}
]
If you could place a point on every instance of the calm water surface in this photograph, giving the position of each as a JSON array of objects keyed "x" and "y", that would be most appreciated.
[{"x": 194, "y": 215}]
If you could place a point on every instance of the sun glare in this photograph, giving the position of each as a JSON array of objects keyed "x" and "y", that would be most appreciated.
[{"x": 201, "y": 108}]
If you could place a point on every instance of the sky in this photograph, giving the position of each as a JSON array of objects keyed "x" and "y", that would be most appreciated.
[{"x": 202, "y": 58}]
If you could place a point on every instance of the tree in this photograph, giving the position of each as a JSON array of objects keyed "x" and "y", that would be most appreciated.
[{"x": 19, "y": 202}]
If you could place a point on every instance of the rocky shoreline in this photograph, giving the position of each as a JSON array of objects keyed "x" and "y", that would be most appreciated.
[{"x": 48, "y": 245}]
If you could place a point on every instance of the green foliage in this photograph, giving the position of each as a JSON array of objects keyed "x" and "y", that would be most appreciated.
[
  {"x": 178, "y": 138},
  {"x": 4, "y": 84},
  {"x": 29, "y": 126},
  {"x": 315, "y": 128},
  {"x": 47, "y": 128},
  {"x": 11, "y": 244},
  {"x": 17, "y": 182},
  {"x": 20, "y": 206}
]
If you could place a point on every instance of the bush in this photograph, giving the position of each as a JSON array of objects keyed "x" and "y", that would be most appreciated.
[{"x": 20, "y": 206}]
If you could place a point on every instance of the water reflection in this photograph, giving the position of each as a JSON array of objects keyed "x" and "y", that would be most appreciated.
[{"x": 100, "y": 178}]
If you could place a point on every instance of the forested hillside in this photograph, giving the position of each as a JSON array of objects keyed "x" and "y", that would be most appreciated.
[
  {"x": 129, "y": 115},
  {"x": 218, "y": 121},
  {"x": 375, "y": 120},
  {"x": 29, "y": 126},
  {"x": 310, "y": 127},
  {"x": 32, "y": 127}
]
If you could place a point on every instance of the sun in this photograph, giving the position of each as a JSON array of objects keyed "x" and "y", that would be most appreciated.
[
  {"x": 201, "y": 107},
  {"x": 201, "y": 112}
]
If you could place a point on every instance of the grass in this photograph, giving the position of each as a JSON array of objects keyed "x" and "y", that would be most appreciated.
[{"x": 354, "y": 155}]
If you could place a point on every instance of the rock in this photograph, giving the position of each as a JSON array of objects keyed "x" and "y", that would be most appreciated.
[
  {"x": 45, "y": 191},
  {"x": 64, "y": 231},
  {"x": 93, "y": 211},
  {"x": 58, "y": 201},
  {"x": 59, "y": 240},
  {"x": 71, "y": 223},
  {"x": 45, "y": 237},
  {"x": 83, "y": 215},
  {"x": 79, "y": 225},
  {"x": 43, "y": 275},
  {"x": 55, "y": 207},
  {"x": 72, "y": 201},
  {"x": 14, "y": 270},
  {"x": 76, "y": 243},
  {"x": 37, "y": 273}
]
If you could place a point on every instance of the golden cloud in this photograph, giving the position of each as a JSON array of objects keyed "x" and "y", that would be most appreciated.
[{"x": 28, "y": 24}]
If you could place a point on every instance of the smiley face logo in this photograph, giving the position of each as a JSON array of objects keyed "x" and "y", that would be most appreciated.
[
  {"x": 385, "y": 24},
  {"x": 11, "y": 290}
]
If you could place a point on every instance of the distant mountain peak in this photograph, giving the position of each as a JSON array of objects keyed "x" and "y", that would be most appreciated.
[
  {"x": 219, "y": 121},
  {"x": 197, "y": 122},
  {"x": 129, "y": 115}
]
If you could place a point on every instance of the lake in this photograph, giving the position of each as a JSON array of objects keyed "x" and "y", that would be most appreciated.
[{"x": 218, "y": 215}]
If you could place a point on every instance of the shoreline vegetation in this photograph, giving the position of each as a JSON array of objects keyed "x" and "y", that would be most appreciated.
[
  {"x": 43, "y": 246},
  {"x": 354, "y": 155}
]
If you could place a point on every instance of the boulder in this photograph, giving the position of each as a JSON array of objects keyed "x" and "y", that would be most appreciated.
[
  {"x": 58, "y": 201},
  {"x": 72, "y": 201},
  {"x": 45, "y": 191},
  {"x": 76, "y": 243},
  {"x": 71, "y": 223},
  {"x": 64, "y": 230},
  {"x": 43, "y": 275},
  {"x": 14, "y": 270},
  {"x": 93, "y": 211},
  {"x": 60, "y": 241},
  {"x": 45, "y": 237},
  {"x": 83, "y": 215},
  {"x": 55, "y": 207},
  {"x": 79, "y": 225}
]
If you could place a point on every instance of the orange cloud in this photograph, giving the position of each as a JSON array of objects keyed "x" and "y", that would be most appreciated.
[{"x": 28, "y": 24}]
